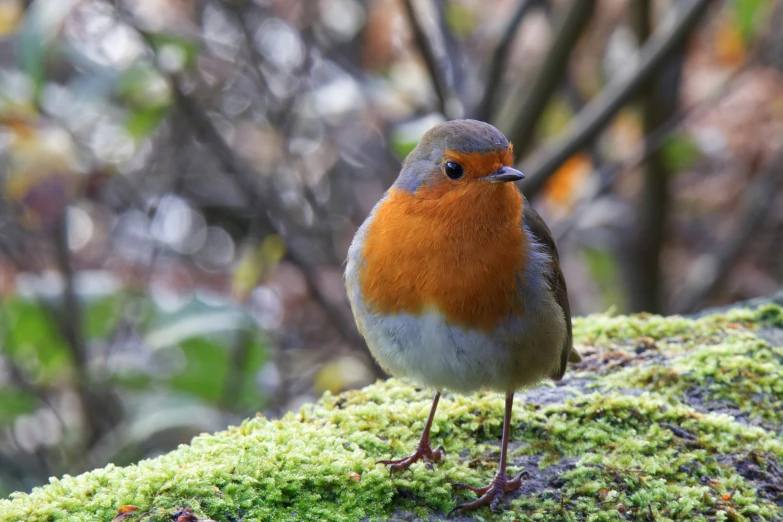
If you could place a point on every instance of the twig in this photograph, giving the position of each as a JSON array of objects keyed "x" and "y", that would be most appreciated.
[
  {"x": 72, "y": 318},
  {"x": 443, "y": 90},
  {"x": 256, "y": 58},
  {"x": 282, "y": 116},
  {"x": 756, "y": 201},
  {"x": 553, "y": 69},
  {"x": 268, "y": 210},
  {"x": 452, "y": 51},
  {"x": 203, "y": 127},
  {"x": 243, "y": 174},
  {"x": 651, "y": 143},
  {"x": 599, "y": 112},
  {"x": 486, "y": 107},
  {"x": 70, "y": 325},
  {"x": 258, "y": 199}
]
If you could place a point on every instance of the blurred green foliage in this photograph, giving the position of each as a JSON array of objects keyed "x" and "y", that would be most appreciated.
[
  {"x": 219, "y": 349},
  {"x": 749, "y": 16},
  {"x": 680, "y": 152}
]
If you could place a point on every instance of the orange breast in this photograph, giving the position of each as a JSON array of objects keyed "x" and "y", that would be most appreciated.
[{"x": 459, "y": 250}]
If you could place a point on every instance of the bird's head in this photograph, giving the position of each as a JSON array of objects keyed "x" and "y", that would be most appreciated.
[{"x": 459, "y": 156}]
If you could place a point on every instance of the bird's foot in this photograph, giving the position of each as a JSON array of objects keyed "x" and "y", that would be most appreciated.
[
  {"x": 490, "y": 494},
  {"x": 423, "y": 452}
]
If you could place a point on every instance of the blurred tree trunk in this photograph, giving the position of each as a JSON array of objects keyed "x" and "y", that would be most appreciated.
[{"x": 658, "y": 103}]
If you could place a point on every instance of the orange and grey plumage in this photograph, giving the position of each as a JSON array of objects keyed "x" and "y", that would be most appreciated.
[{"x": 454, "y": 280}]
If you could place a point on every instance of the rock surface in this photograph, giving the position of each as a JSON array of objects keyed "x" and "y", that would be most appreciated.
[{"x": 665, "y": 419}]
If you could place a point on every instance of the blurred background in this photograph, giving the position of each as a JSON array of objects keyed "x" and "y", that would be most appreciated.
[{"x": 181, "y": 180}]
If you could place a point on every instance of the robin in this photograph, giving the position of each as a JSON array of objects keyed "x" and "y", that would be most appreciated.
[{"x": 454, "y": 282}]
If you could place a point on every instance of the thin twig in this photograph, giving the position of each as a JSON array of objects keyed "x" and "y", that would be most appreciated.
[
  {"x": 486, "y": 107},
  {"x": 256, "y": 58},
  {"x": 282, "y": 117},
  {"x": 648, "y": 145},
  {"x": 600, "y": 111},
  {"x": 452, "y": 51},
  {"x": 756, "y": 201},
  {"x": 575, "y": 19},
  {"x": 440, "y": 83},
  {"x": 243, "y": 174},
  {"x": 70, "y": 322},
  {"x": 269, "y": 211}
]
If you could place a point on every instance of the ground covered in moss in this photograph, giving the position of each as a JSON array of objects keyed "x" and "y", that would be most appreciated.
[{"x": 665, "y": 419}]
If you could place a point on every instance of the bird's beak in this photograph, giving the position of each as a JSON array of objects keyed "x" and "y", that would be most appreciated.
[{"x": 504, "y": 174}]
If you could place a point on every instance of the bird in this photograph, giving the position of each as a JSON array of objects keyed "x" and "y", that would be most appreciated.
[{"x": 454, "y": 282}]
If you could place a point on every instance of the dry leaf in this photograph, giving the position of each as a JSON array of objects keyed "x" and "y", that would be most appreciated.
[{"x": 124, "y": 512}]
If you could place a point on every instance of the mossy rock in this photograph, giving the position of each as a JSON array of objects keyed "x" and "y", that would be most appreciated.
[{"x": 665, "y": 419}]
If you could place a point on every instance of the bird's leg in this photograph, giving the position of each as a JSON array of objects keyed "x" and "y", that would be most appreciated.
[
  {"x": 423, "y": 450},
  {"x": 492, "y": 493}
]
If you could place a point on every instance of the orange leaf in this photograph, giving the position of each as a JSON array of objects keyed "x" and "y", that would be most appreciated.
[
  {"x": 124, "y": 512},
  {"x": 562, "y": 187},
  {"x": 728, "y": 42}
]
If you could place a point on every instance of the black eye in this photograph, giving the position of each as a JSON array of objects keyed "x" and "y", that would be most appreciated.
[{"x": 453, "y": 170}]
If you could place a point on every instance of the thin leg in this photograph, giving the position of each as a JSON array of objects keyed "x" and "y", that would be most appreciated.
[
  {"x": 492, "y": 493},
  {"x": 423, "y": 450}
]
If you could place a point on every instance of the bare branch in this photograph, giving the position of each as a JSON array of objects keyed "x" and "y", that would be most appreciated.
[
  {"x": 552, "y": 71},
  {"x": 600, "y": 111},
  {"x": 651, "y": 143},
  {"x": 257, "y": 198},
  {"x": 443, "y": 89},
  {"x": 256, "y": 58},
  {"x": 70, "y": 324},
  {"x": 452, "y": 51},
  {"x": 486, "y": 107},
  {"x": 244, "y": 175}
]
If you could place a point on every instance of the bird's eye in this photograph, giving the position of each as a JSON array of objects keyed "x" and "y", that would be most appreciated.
[{"x": 453, "y": 170}]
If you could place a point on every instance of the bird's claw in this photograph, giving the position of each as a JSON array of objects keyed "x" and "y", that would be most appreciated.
[
  {"x": 490, "y": 494},
  {"x": 423, "y": 452}
]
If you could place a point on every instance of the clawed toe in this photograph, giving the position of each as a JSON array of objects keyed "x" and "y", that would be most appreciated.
[
  {"x": 423, "y": 453},
  {"x": 516, "y": 482},
  {"x": 478, "y": 491},
  {"x": 490, "y": 494}
]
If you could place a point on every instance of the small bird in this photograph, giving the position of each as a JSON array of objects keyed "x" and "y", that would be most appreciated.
[{"x": 454, "y": 282}]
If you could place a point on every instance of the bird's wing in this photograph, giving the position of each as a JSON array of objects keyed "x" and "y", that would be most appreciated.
[{"x": 556, "y": 282}]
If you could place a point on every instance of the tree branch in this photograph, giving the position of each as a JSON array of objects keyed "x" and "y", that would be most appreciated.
[
  {"x": 552, "y": 71},
  {"x": 70, "y": 322},
  {"x": 256, "y": 198},
  {"x": 651, "y": 143},
  {"x": 447, "y": 100},
  {"x": 486, "y": 107},
  {"x": 599, "y": 112}
]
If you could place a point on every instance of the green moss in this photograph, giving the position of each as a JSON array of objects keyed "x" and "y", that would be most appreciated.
[
  {"x": 716, "y": 360},
  {"x": 589, "y": 456}
]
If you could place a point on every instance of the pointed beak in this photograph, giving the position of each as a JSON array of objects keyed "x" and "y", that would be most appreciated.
[{"x": 504, "y": 174}]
